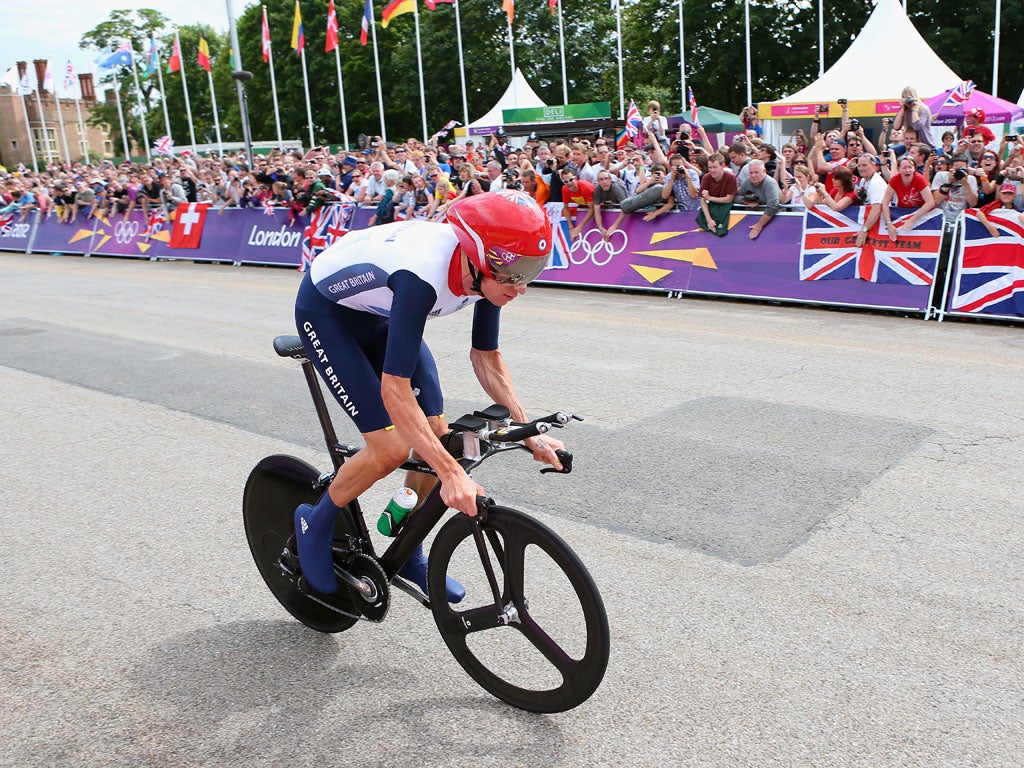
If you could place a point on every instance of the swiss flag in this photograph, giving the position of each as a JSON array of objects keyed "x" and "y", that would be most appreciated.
[{"x": 187, "y": 231}]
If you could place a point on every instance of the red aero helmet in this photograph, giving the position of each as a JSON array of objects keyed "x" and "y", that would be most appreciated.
[{"x": 505, "y": 234}]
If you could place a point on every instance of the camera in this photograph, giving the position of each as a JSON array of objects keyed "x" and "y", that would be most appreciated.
[
  {"x": 841, "y": 102},
  {"x": 862, "y": 196},
  {"x": 854, "y": 123},
  {"x": 751, "y": 198},
  {"x": 960, "y": 174},
  {"x": 821, "y": 108},
  {"x": 1012, "y": 137},
  {"x": 909, "y": 102}
]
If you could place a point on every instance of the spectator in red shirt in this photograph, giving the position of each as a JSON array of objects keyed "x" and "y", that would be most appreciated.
[
  {"x": 974, "y": 121},
  {"x": 574, "y": 194},
  {"x": 717, "y": 190},
  {"x": 909, "y": 189}
]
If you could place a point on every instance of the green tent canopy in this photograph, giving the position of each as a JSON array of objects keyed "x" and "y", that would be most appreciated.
[{"x": 713, "y": 120}]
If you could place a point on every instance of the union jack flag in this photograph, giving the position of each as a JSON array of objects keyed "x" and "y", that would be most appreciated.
[
  {"x": 560, "y": 240},
  {"x": 693, "y": 107},
  {"x": 960, "y": 94},
  {"x": 5, "y": 221},
  {"x": 164, "y": 146},
  {"x": 991, "y": 274},
  {"x": 634, "y": 125},
  {"x": 829, "y": 251},
  {"x": 326, "y": 225},
  {"x": 154, "y": 223},
  {"x": 69, "y": 76}
]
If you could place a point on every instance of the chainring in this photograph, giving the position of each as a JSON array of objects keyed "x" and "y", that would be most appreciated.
[{"x": 365, "y": 567}]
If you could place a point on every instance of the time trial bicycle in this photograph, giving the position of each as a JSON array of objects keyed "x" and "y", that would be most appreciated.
[{"x": 532, "y": 629}]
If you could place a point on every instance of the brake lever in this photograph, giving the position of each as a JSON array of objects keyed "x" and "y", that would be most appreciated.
[{"x": 566, "y": 458}]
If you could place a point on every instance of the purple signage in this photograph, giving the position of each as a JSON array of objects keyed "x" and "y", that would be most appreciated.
[{"x": 15, "y": 234}]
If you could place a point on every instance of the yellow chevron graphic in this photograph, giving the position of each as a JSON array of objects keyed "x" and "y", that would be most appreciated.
[
  {"x": 651, "y": 274},
  {"x": 104, "y": 219},
  {"x": 699, "y": 257},
  {"x": 80, "y": 235},
  {"x": 163, "y": 236},
  {"x": 143, "y": 246},
  {"x": 657, "y": 237},
  {"x": 102, "y": 242}
]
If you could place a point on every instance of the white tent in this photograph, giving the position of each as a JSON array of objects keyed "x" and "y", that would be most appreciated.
[
  {"x": 518, "y": 95},
  {"x": 888, "y": 55}
]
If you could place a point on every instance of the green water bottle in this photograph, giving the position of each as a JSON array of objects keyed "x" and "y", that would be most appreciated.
[{"x": 401, "y": 504}]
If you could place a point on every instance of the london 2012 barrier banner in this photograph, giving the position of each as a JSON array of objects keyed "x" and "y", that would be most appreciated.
[{"x": 801, "y": 257}]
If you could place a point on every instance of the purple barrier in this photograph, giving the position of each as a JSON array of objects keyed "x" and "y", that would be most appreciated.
[
  {"x": 53, "y": 237},
  {"x": 121, "y": 236},
  {"x": 672, "y": 254},
  {"x": 253, "y": 237},
  {"x": 16, "y": 235}
]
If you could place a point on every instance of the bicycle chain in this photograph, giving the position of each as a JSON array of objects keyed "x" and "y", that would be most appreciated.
[{"x": 301, "y": 584}]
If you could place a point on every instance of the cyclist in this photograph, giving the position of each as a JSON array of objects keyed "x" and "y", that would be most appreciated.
[{"x": 361, "y": 311}]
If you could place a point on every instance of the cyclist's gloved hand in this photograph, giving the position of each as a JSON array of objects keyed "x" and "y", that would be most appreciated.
[{"x": 544, "y": 449}]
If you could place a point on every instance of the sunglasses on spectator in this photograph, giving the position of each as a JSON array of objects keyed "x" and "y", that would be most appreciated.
[{"x": 433, "y": 175}]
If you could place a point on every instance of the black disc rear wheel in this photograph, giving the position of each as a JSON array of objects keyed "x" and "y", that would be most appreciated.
[
  {"x": 547, "y": 649},
  {"x": 276, "y": 486}
]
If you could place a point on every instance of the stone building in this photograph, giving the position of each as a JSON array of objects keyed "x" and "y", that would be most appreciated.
[{"x": 46, "y": 110}]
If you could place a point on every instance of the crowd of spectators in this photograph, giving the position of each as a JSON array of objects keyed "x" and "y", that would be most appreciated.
[{"x": 836, "y": 166}]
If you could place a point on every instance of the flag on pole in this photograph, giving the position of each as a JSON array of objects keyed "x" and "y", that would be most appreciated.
[
  {"x": 553, "y": 5},
  {"x": 69, "y": 76},
  {"x": 960, "y": 94},
  {"x": 634, "y": 125},
  {"x": 266, "y": 37},
  {"x": 509, "y": 7},
  {"x": 25, "y": 87},
  {"x": 693, "y": 107},
  {"x": 174, "y": 63},
  {"x": 151, "y": 61},
  {"x": 298, "y": 33},
  {"x": 432, "y": 4},
  {"x": 10, "y": 78},
  {"x": 48, "y": 84},
  {"x": 121, "y": 56},
  {"x": 396, "y": 8},
  {"x": 364, "y": 25},
  {"x": 204, "y": 54},
  {"x": 164, "y": 146},
  {"x": 332, "y": 29}
]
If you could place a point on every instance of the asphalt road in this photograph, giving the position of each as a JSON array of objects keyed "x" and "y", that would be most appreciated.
[{"x": 805, "y": 524}]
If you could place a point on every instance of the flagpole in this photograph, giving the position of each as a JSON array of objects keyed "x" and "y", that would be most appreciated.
[
  {"x": 309, "y": 109},
  {"x": 163, "y": 93},
  {"x": 216, "y": 117},
  {"x": 63, "y": 131},
  {"x": 341, "y": 97},
  {"x": 419, "y": 62},
  {"x": 120, "y": 115},
  {"x": 273, "y": 86},
  {"x": 746, "y": 24},
  {"x": 821, "y": 38},
  {"x": 618, "y": 36},
  {"x": 376, "y": 67},
  {"x": 42, "y": 120},
  {"x": 561, "y": 48},
  {"x": 145, "y": 107},
  {"x": 28, "y": 128},
  {"x": 184, "y": 88},
  {"x": 81, "y": 126},
  {"x": 462, "y": 64},
  {"x": 995, "y": 50},
  {"x": 512, "y": 62},
  {"x": 682, "y": 60}
]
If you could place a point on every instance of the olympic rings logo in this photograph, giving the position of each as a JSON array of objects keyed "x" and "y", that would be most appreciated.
[
  {"x": 596, "y": 249},
  {"x": 125, "y": 231}
]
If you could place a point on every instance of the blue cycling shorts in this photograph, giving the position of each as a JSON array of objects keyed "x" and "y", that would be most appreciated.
[{"x": 347, "y": 348}]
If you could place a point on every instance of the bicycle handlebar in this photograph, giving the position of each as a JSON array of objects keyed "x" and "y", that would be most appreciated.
[{"x": 477, "y": 429}]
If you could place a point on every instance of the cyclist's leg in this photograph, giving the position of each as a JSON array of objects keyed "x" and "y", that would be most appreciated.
[
  {"x": 426, "y": 384},
  {"x": 336, "y": 340}
]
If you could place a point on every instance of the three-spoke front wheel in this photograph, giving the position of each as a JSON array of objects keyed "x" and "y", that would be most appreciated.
[{"x": 543, "y": 644}]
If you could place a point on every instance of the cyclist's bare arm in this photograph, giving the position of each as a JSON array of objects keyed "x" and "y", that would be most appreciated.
[
  {"x": 458, "y": 490},
  {"x": 493, "y": 375}
]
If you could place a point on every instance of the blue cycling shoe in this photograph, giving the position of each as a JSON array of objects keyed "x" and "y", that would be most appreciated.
[
  {"x": 314, "y": 529},
  {"x": 415, "y": 570}
]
